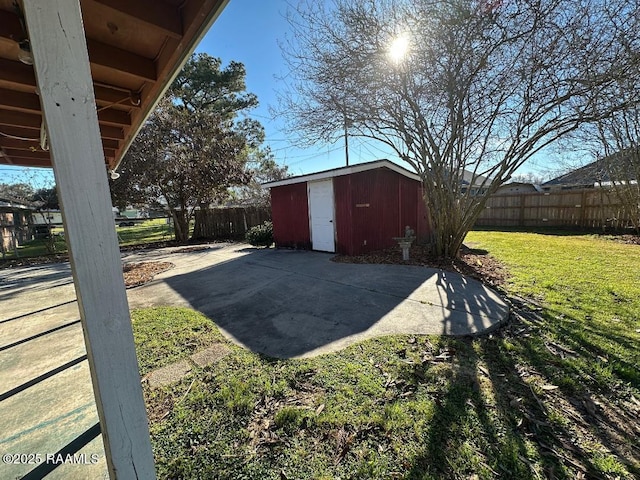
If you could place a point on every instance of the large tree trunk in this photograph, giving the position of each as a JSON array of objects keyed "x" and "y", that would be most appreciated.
[
  {"x": 180, "y": 225},
  {"x": 451, "y": 218}
]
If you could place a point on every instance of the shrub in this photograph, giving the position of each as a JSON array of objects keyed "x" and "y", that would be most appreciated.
[{"x": 261, "y": 235}]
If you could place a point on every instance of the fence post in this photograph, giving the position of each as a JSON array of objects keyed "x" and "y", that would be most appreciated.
[{"x": 583, "y": 207}]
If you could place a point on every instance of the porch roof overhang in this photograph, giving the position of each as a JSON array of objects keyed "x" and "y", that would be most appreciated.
[{"x": 136, "y": 48}]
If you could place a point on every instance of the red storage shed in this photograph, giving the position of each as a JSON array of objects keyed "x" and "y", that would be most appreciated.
[{"x": 349, "y": 210}]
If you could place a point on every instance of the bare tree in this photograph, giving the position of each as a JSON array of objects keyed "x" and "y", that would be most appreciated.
[
  {"x": 619, "y": 142},
  {"x": 463, "y": 91}
]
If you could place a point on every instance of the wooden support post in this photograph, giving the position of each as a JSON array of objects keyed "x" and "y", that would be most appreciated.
[{"x": 66, "y": 91}]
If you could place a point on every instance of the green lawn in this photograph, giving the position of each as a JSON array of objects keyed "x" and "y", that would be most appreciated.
[
  {"x": 156, "y": 230},
  {"x": 149, "y": 231},
  {"x": 554, "y": 394}
]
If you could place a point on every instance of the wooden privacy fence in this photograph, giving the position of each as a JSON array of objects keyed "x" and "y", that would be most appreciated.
[
  {"x": 228, "y": 222},
  {"x": 589, "y": 208}
]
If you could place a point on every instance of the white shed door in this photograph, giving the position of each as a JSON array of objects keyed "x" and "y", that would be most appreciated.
[{"x": 320, "y": 196}]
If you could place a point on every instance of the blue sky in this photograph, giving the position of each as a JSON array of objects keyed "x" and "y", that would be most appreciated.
[{"x": 248, "y": 31}]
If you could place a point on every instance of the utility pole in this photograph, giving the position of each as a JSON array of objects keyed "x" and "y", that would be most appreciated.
[{"x": 346, "y": 136}]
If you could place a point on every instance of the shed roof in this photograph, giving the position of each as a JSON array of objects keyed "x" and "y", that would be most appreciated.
[
  {"x": 348, "y": 170},
  {"x": 136, "y": 48}
]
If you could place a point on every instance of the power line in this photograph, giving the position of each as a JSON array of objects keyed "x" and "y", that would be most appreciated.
[{"x": 315, "y": 156}]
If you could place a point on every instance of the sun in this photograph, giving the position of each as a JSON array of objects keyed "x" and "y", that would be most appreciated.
[{"x": 399, "y": 48}]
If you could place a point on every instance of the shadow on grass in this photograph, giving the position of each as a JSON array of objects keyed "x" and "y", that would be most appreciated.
[{"x": 520, "y": 406}]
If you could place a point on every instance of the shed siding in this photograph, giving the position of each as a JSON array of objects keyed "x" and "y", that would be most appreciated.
[
  {"x": 371, "y": 208},
  {"x": 343, "y": 212},
  {"x": 413, "y": 210},
  {"x": 290, "y": 213},
  {"x": 368, "y": 206},
  {"x": 408, "y": 207}
]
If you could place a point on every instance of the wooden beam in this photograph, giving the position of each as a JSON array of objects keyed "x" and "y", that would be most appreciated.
[
  {"x": 159, "y": 15},
  {"x": 22, "y": 153},
  {"x": 26, "y": 162},
  {"x": 26, "y": 153},
  {"x": 30, "y": 102},
  {"x": 17, "y": 72},
  {"x": 64, "y": 80},
  {"x": 99, "y": 53},
  {"x": 20, "y": 119},
  {"x": 33, "y": 121},
  {"x": 112, "y": 144},
  {"x": 113, "y": 133},
  {"x": 10, "y": 26},
  {"x": 114, "y": 117},
  {"x": 18, "y": 144},
  {"x": 20, "y": 132},
  {"x": 106, "y": 96},
  {"x": 19, "y": 100},
  {"x": 121, "y": 60},
  {"x": 22, "y": 75}
]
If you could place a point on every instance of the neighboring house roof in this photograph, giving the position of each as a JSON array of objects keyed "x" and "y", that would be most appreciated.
[
  {"x": 479, "y": 180},
  {"x": 11, "y": 203},
  {"x": 336, "y": 172},
  {"x": 598, "y": 172},
  {"x": 515, "y": 187}
]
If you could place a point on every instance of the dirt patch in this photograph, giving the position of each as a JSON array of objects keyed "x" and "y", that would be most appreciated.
[
  {"x": 627, "y": 238},
  {"x": 136, "y": 274},
  {"x": 471, "y": 262}
]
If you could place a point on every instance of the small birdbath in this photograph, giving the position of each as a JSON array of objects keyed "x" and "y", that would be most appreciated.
[{"x": 406, "y": 241}]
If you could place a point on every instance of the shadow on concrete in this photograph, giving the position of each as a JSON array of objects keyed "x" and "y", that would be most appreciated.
[{"x": 292, "y": 303}]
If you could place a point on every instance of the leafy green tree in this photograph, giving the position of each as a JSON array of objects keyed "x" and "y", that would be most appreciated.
[
  {"x": 263, "y": 169},
  {"x": 193, "y": 148},
  {"x": 16, "y": 191},
  {"x": 46, "y": 198}
]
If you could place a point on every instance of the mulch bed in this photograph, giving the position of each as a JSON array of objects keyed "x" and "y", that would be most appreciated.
[
  {"x": 31, "y": 261},
  {"x": 136, "y": 274},
  {"x": 198, "y": 248},
  {"x": 471, "y": 262},
  {"x": 627, "y": 238}
]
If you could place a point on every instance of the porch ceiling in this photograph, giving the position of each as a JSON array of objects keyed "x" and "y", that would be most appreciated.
[{"x": 135, "y": 50}]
